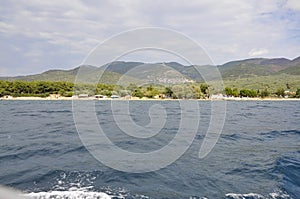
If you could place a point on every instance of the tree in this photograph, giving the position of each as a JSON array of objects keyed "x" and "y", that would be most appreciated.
[
  {"x": 132, "y": 87},
  {"x": 151, "y": 92},
  {"x": 188, "y": 93},
  {"x": 264, "y": 93},
  {"x": 280, "y": 92},
  {"x": 197, "y": 94},
  {"x": 168, "y": 92},
  {"x": 106, "y": 92},
  {"x": 204, "y": 89},
  {"x": 178, "y": 91},
  {"x": 235, "y": 92},
  {"x": 2, "y": 92},
  {"x": 228, "y": 91},
  {"x": 137, "y": 93},
  {"x": 248, "y": 93},
  {"x": 298, "y": 93}
]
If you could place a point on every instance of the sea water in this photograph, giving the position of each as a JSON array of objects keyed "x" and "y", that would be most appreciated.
[{"x": 256, "y": 156}]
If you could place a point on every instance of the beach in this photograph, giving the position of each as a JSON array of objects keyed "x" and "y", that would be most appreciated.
[{"x": 144, "y": 98}]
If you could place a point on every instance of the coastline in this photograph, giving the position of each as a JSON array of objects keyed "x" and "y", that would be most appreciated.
[{"x": 144, "y": 99}]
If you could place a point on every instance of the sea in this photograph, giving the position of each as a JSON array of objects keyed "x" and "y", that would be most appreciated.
[{"x": 257, "y": 155}]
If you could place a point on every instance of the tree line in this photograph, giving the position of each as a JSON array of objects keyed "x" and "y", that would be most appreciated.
[
  {"x": 280, "y": 92},
  {"x": 68, "y": 89},
  {"x": 182, "y": 91},
  {"x": 35, "y": 88},
  {"x": 179, "y": 91}
]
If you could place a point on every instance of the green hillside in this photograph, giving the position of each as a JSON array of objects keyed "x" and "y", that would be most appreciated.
[
  {"x": 272, "y": 82},
  {"x": 89, "y": 74},
  {"x": 293, "y": 70},
  {"x": 258, "y": 73},
  {"x": 244, "y": 70}
]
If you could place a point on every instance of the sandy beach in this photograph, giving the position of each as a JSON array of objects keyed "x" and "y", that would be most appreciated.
[{"x": 136, "y": 98}]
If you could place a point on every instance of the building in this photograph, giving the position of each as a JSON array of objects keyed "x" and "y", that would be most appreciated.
[{"x": 83, "y": 95}]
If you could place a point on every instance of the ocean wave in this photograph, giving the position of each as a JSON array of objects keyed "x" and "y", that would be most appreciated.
[
  {"x": 84, "y": 193},
  {"x": 111, "y": 193},
  {"x": 80, "y": 194},
  {"x": 274, "y": 134},
  {"x": 69, "y": 195},
  {"x": 275, "y": 195},
  {"x": 289, "y": 166}
]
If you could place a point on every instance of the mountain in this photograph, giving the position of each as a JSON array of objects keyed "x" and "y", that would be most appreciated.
[
  {"x": 244, "y": 68},
  {"x": 258, "y": 67},
  {"x": 89, "y": 74},
  {"x": 121, "y": 67},
  {"x": 167, "y": 73},
  {"x": 158, "y": 73},
  {"x": 293, "y": 70},
  {"x": 51, "y": 75}
]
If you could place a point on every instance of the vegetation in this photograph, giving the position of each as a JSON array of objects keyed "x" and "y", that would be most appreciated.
[
  {"x": 280, "y": 92},
  {"x": 175, "y": 91},
  {"x": 41, "y": 89},
  {"x": 264, "y": 93},
  {"x": 231, "y": 92},
  {"x": 67, "y": 89},
  {"x": 271, "y": 83},
  {"x": 248, "y": 93},
  {"x": 251, "y": 77}
]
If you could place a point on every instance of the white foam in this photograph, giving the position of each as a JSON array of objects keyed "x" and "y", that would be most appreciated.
[
  {"x": 278, "y": 195},
  {"x": 68, "y": 195},
  {"x": 244, "y": 196}
]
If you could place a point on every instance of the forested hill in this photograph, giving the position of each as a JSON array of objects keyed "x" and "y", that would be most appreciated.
[
  {"x": 163, "y": 72},
  {"x": 260, "y": 67}
]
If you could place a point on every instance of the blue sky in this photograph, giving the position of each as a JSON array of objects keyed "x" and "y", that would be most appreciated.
[{"x": 39, "y": 35}]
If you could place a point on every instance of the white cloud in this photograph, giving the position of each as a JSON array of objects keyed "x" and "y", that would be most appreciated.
[
  {"x": 293, "y": 4},
  {"x": 258, "y": 52},
  {"x": 68, "y": 30},
  {"x": 6, "y": 28}
]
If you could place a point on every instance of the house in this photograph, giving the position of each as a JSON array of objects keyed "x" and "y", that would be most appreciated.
[
  {"x": 114, "y": 96},
  {"x": 217, "y": 96},
  {"x": 288, "y": 93},
  {"x": 83, "y": 95}
]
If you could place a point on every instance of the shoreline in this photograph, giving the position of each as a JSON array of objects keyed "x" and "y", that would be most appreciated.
[{"x": 142, "y": 99}]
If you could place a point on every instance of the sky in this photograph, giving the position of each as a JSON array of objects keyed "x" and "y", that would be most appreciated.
[{"x": 36, "y": 36}]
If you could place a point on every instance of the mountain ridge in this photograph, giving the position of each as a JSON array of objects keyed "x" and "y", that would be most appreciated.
[{"x": 253, "y": 67}]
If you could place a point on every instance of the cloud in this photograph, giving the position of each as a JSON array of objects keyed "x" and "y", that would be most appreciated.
[
  {"x": 60, "y": 33},
  {"x": 258, "y": 52},
  {"x": 293, "y": 4}
]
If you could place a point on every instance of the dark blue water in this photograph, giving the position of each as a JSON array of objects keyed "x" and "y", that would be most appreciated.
[{"x": 257, "y": 155}]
